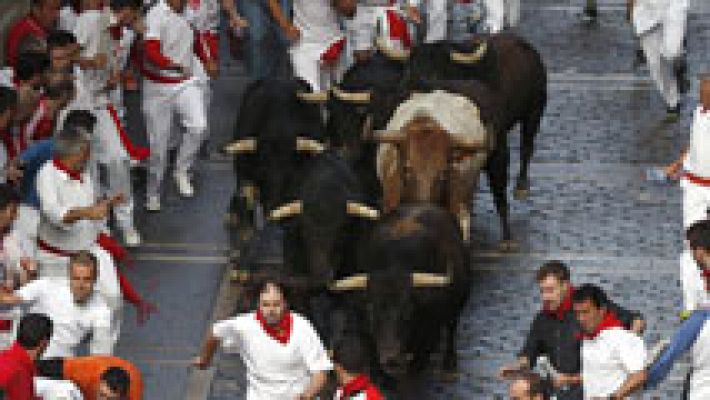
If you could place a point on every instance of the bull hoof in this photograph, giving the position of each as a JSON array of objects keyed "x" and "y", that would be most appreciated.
[
  {"x": 521, "y": 193},
  {"x": 508, "y": 246}
]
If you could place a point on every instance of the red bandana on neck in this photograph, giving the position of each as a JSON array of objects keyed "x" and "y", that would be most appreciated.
[
  {"x": 361, "y": 383},
  {"x": 282, "y": 331},
  {"x": 565, "y": 306},
  {"x": 609, "y": 321},
  {"x": 58, "y": 164}
]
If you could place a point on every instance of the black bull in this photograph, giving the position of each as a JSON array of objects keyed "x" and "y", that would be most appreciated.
[{"x": 413, "y": 282}]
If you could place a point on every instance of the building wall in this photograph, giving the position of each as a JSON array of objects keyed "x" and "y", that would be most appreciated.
[{"x": 10, "y": 11}]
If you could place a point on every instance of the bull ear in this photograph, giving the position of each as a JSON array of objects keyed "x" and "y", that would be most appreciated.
[
  {"x": 350, "y": 97},
  {"x": 356, "y": 209},
  {"x": 308, "y": 145},
  {"x": 313, "y": 97},
  {"x": 286, "y": 210},
  {"x": 354, "y": 282},
  {"x": 394, "y": 137},
  {"x": 425, "y": 279},
  {"x": 241, "y": 146},
  {"x": 470, "y": 58},
  {"x": 391, "y": 53}
]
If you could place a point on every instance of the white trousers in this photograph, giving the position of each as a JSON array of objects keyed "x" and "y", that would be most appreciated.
[
  {"x": 661, "y": 68},
  {"x": 52, "y": 389},
  {"x": 696, "y": 201},
  {"x": 162, "y": 103},
  {"x": 502, "y": 13},
  {"x": 113, "y": 166},
  {"x": 27, "y": 222},
  {"x": 437, "y": 21}
]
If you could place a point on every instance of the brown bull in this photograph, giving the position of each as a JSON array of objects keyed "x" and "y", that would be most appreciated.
[{"x": 424, "y": 163}]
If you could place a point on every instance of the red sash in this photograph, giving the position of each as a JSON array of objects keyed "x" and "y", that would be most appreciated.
[{"x": 138, "y": 153}]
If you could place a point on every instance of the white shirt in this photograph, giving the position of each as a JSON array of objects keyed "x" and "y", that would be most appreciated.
[
  {"x": 700, "y": 379},
  {"x": 275, "y": 371},
  {"x": 58, "y": 194},
  {"x": 67, "y": 19},
  {"x": 72, "y": 322},
  {"x": 317, "y": 21},
  {"x": 174, "y": 33},
  {"x": 649, "y": 14},
  {"x": 92, "y": 35},
  {"x": 609, "y": 359},
  {"x": 205, "y": 17},
  {"x": 698, "y": 161}
]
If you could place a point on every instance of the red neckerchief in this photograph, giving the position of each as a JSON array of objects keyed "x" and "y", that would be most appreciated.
[
  {"x": 9, "y": 142},
  {"x": 609, "y": 321},
  {"x": 398, "y": 28},
  {"x": 565, "y": 306},
  {"x": 194, "y": 4},
  {"x": 361, "y": 383},
  {"x": 282, "y": 331},
  {"x": 58, "y": 164},
  {"x": 116, "y": 32}
]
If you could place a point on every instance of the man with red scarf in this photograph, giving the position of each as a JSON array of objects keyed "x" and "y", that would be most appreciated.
[
  {"x": 555, "y": 332},
  {"x": 351, "y": 362},
  {"x": 284, "y": 357},
  {"x": 17, "y": 368},
  {"x": 611, "y": 354},
  {"x": 73, "y": 219},
  {"x": 30, "y": 32}
]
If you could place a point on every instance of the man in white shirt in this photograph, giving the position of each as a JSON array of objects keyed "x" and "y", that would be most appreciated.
[
  {"x": 284, "y": 357},
  {"x": 612, "y": 356},
  {"x": 113, "y": 149},
  {"x": 171, "y": 89},
  {"x": 317, "y": 41},
  {"x": 693, "y": 169},
  {"x": 660, "y": 26},
  {"x": 73, "y": 306}
]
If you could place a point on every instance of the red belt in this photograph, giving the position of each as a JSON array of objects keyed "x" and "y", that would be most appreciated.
[{"x": 696, "y": 179}]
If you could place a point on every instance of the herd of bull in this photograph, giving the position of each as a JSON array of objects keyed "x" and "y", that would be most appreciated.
[{"x": 372, "y": 184}]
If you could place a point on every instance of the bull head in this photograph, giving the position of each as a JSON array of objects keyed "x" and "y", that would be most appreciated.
[
  {"x": 469, "y": 58},
  {"x": 418, "y": 280},
  {"x": 241, "y": 146},
  {"x": 351, "y": 97},
  {"x": 313, "y": 97},
  {"x": 391, "y": 53}
]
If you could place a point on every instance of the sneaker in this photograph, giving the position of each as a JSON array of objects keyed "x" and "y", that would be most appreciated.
[
  {"x": 184, "y": 185},
  {"x": 131, "y": 237},
  {"x": 153, "y": 204}
]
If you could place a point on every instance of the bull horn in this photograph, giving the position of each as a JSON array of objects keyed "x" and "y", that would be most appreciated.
[
  {"x": 425, "y": 279},
  {"x": 391, "y": 53},
  {"x": 354, "y": 282},
  {"x": 241, "y": 146},
  {"x": 388, "y": 136},
  {"x": 356, "y": 209},
  {"x": 469, "y": 58},
  {"x": 309, "y": 145},
  {"x": 313, "y": 97},
  {"x": 286, "y": 210},
  {"x": 470, "y": 144},
  {"x": 350, "y": 97}
]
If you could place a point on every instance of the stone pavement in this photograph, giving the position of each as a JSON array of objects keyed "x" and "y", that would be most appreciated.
[{"x": 588, "y": 206}]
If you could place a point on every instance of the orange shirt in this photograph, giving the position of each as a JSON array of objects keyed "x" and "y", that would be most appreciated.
[{"x": 86, "y": 372}]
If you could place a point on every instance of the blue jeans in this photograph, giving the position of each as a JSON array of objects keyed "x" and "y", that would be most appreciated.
[{"x": 265, "y": 43}]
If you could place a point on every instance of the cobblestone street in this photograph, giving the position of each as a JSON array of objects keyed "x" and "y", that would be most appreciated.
[{"x": 589, "y": 204}]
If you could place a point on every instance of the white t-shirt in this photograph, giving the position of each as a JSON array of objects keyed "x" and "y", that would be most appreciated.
[
  {"x": 72, "y": 322},
  {"x": 609, "y": 359},
  {"x": 699, "y": 154},
  {"x": 275, "y": 371},
  {"x": 317, "y": 21},
  {"x": 174, "y": 33},
  {"x": 58, "y": 194}
]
